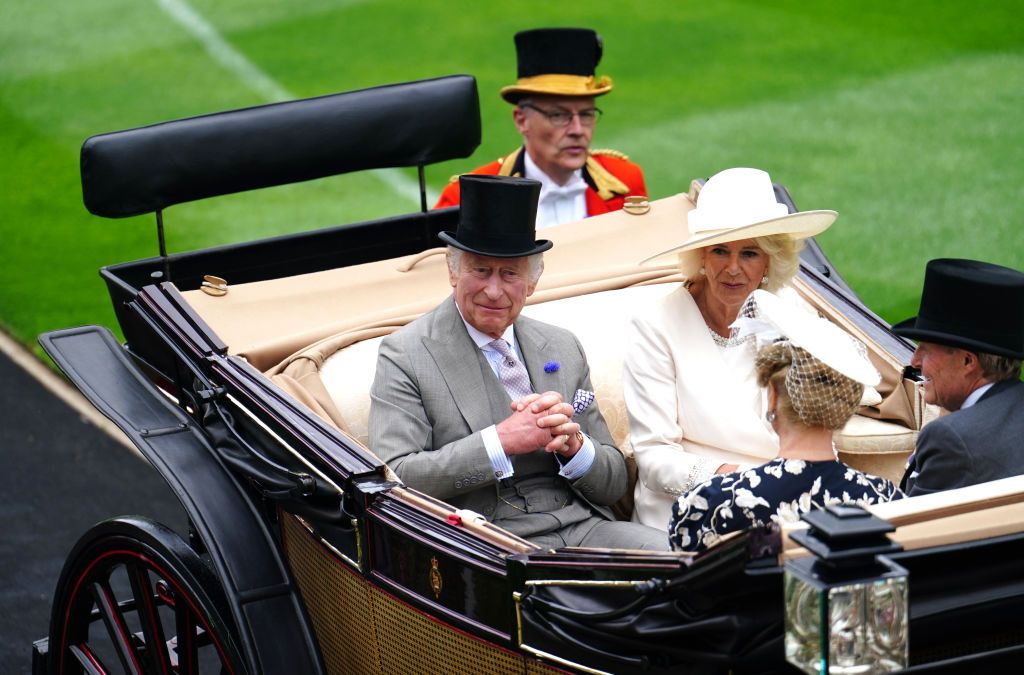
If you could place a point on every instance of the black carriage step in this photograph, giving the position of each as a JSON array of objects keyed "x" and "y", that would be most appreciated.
[
  {"x": 273, "y": 632},
  {"x": 96, "y": 363}
]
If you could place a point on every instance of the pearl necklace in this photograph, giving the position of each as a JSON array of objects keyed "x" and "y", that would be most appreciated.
[{"x": 730, "y": 341}]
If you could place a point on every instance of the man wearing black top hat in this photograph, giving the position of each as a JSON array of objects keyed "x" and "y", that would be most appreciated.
[
  {"x": 970, "y": 333},
  {"x": 453, "y": 405},
  {"x": 555, "y": 114}
]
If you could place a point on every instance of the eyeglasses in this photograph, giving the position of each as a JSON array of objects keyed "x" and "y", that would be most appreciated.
[{"x": 562, "y": 118}]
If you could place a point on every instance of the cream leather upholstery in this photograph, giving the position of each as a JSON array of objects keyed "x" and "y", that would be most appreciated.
[
  {"x": 348, "y": 373},
  {"x": 875, "y": 446},
  {"x": 871, "y": 445}
]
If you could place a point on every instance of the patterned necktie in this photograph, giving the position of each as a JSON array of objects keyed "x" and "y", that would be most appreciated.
[{"x": 511, "y": 371}]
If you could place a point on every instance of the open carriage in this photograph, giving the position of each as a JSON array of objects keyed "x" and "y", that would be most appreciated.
[{"x": 244, "y": 380}]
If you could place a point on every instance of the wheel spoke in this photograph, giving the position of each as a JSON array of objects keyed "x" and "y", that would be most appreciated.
[
  {"x": 149, "y": 618},
  {"x": 188, "y": 649},
  {"x": 90, "y": 664},
  {"x": 116, "y": 627},
  {"x": 133, "y": 588}
]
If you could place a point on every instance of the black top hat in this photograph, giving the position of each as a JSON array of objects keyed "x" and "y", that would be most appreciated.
[
  {"x": 497, "y": 217},
  {"x": 972, "y": 305},
  {"x": 557, "y": 62}
]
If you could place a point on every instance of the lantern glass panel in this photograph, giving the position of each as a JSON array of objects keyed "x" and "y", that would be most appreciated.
[
  {"x": 868, "y": 627},
  {"x": 804, "y": 604},
  {"x": 845, "y": 629}
]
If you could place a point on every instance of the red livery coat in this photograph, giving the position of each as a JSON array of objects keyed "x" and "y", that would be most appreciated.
[{"x": 609, "y": 175}]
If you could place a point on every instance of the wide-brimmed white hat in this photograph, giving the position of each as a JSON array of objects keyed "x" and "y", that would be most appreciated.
[
  {"x": 776, "y": 318},
  {"x": 740, "y": 203}
]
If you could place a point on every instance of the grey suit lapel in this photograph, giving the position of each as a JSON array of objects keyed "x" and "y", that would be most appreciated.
[
  {"x": 534, "y": 345},
  {"x": 456, "y": 357}
]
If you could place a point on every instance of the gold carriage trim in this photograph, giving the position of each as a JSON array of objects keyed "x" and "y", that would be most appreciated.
[
  {"x": 436, "y": 581},
  {"x": 518, "y": 597},
  {"x": 363, "y": 629},
  {"x": 636, "y": 205}
]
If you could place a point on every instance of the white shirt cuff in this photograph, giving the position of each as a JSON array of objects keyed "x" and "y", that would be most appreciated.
[
  {"x": 499, "y": 460},
  {"x": 580, "y": 464}
]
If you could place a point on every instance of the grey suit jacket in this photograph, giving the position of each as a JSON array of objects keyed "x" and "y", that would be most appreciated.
[
  {"x": 429, "y": 402},
  {"x": 981, "y": 443}
]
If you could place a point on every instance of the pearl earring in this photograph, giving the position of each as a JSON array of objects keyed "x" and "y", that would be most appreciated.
[
  {"x": 764, "y": 280},
  {"x": 769, "y": 416}
]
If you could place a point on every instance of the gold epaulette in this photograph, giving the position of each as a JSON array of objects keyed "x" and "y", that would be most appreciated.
[
  {"x": 611, "y": 153},
  {"x": 505, "y": 164},
  {"x": 508, "y": 162},
  {"x": 605, "y": 182}
]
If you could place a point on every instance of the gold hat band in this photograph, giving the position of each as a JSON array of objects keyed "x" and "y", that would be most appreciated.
[{"x": 559, "y": 84}]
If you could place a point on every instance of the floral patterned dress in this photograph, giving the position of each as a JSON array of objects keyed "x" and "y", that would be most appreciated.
[{"x": 777, "y": 492}]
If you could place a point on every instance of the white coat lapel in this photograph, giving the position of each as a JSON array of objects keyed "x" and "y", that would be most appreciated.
[
  {"x": 721, "y": 382},
  {"x": 705, "y": 363}
]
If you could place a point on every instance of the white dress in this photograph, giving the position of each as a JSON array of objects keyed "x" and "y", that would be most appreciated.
[{"x": 693, "y": 405}]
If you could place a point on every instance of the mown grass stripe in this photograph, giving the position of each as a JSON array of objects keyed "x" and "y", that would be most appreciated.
[{"x": 221, "y": 51}]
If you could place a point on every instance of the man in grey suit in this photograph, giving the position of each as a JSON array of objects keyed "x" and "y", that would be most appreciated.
[
  {"x": 970, "y": 332},
  {"x": 453, "y": 409}
]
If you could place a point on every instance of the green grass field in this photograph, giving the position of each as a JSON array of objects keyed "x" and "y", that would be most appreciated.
[{"x": 906, "y": 117}]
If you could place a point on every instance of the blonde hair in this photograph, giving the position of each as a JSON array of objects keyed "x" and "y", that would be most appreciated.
[
  {"x": 783, "y": 253},
  {"x": 810, "y": 393}
]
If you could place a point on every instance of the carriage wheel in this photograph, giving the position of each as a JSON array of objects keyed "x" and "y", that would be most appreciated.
[{"x": 134, "y": 598}]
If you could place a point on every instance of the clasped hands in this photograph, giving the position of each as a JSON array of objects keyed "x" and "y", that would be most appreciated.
[{"x": 540, "y": 421}]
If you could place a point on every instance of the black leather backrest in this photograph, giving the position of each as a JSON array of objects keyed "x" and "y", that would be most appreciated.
[{"x": 128, "y": 173}]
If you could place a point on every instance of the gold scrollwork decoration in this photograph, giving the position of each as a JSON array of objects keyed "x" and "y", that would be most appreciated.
[{"x": 436, "y": 582}]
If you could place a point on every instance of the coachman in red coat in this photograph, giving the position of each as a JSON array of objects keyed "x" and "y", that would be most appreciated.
[{"x": 555, "y": 114}]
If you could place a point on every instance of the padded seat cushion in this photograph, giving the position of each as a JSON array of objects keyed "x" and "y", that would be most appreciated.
[
  {"x": 348, "y": 373},
  {"x": 871, "y": 445},
  {"x": 347, "y": 376},
  {"x": 875, "y": 446}
]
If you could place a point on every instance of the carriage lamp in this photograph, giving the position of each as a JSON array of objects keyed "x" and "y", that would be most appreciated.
[{"x": 846, "y": 606}]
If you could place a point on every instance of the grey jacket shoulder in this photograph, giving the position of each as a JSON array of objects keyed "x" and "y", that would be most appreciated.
[
  {"x": 975, "y": 445},
  {"x": 998, "y": 414},
  {"x": 428, "y": 324}
]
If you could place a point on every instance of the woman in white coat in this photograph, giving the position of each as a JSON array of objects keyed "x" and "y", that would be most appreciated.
[{"x": 695, "y": 408}]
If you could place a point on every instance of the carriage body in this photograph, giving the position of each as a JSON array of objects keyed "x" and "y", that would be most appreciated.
[{"x": 306, "y": 553}]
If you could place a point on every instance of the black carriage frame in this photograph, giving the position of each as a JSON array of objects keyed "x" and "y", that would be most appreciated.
[{"x": 203, "y": 418}]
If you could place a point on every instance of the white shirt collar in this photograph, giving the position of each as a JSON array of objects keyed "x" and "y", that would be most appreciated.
[
  {"x": 973, "y": 397},
  {"x": 558, "y": 203}
]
